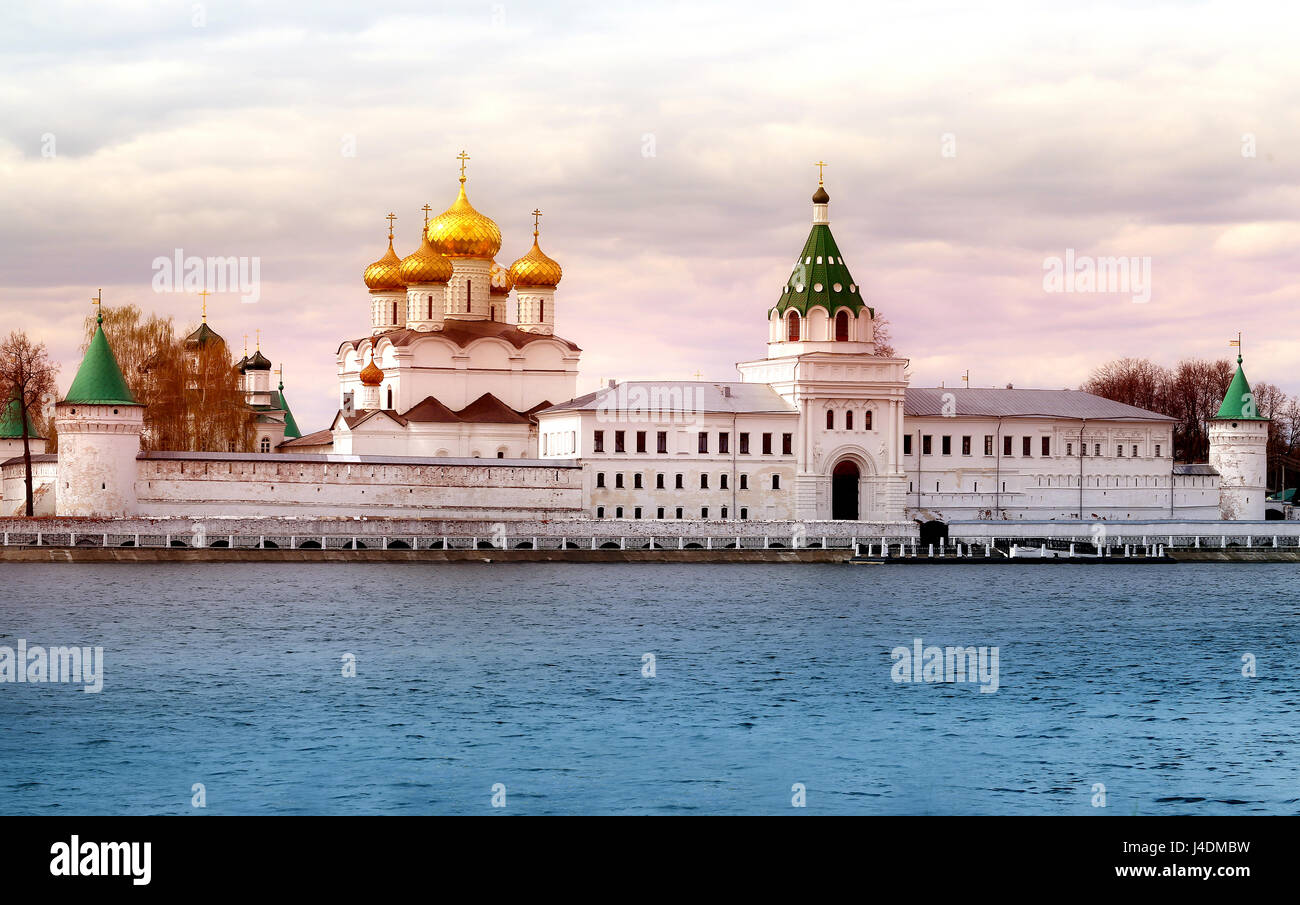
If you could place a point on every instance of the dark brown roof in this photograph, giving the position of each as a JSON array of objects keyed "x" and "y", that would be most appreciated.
[
  {"x": 430, "y": 409},
  {"x": 462, "y": 333},
  {"x": 488, "y": 409},
  {"x": 317, "y": 439}
]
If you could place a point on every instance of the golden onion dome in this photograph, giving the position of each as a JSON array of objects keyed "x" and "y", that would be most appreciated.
[
  {"x": 371, "y": 376},
  {"x": 536, "y": 269},
  {"x": 424, "y": 265},
  {"x": 500, "y": 282},
  {"x": 383, "y": 274},
  {"x": 462, "y": 232}
]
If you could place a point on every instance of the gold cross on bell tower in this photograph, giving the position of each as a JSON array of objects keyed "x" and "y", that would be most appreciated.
[
  {"x": 537, "y": 219},
  {"x": 819, "y": 165},
  {"x": 462, "y": 157}
]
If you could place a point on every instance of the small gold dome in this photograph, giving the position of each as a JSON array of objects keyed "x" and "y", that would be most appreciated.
[
  {"x": 383, "y": 274},
  {"x": 536, "y": 269},
  {"x": 371, "y": 376},
  {"x": 462, "y": 232},
  {"x": 424, "y": 265},
  {"x": 500, "y": 282}
]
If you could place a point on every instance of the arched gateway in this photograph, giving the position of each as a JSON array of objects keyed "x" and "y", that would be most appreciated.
[{"x": 845, "y": 482}]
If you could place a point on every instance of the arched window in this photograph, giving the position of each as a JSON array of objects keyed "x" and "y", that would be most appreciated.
[
  {"x": 266, "y": 444},
  {"x": 390, "y": 398},
  {"x": 848, "y": 421},
  {"x": 842, "y": 327},
  {"x": 541, "y": 310},
  {"x": 866, "y": 420},
  {"x": 792, "y": 327},
  {"x": 468, "y": 295},
  {"x": 830, "y": 419},
  {"x": 430, "y": 308},
  {"x": 394, "y": 312}
]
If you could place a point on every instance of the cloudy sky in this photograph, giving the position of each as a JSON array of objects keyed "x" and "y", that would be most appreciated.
[{"x": 671, "y": 147}]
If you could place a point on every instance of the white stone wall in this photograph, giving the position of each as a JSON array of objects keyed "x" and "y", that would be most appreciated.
[
  {"x": 1239, "y": 452},
  {"x": 381, "y": 436},
  {"x": 251, "y": 485},
  {"x": 959, "y": 485},
  {"x": 98, "y": 445},
  {"x": 13, "y": 487}
]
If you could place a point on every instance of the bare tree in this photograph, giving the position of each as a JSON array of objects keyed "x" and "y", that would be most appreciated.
[
  {"x": 27, "y": 378},
  {"x": 881, "y": 334}
]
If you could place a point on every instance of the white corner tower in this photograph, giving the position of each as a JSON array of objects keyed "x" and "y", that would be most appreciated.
[{"x": 1239, "y": 451}]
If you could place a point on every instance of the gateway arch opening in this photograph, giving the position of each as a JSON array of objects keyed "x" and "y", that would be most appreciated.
[{"x": 845, "y": 480}]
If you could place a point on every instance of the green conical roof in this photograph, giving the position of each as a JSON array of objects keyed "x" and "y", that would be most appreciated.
[
  {"x": 99, "y": 380},
  {"x": 291, "y": 431},
  {"x": 1239, "y": 401},
  {"x": 11, "y": 425},
  {"x": 820, "y": 277}
]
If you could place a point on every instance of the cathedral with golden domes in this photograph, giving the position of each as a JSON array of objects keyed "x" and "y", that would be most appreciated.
[{"x": 462, "y": 351}]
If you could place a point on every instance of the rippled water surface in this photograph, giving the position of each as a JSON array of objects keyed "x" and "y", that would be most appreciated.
[{"x": 766, "y": 676}]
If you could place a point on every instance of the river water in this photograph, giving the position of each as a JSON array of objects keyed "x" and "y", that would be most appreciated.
[{"x": 771, "y": 684}]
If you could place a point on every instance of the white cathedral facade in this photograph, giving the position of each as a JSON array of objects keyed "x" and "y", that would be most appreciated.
[{"x": 462, "y": 381}]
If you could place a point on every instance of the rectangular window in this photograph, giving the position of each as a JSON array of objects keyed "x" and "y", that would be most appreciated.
[
  {"x": 679, "y": 512},
  {"x": 680, "y": 485},
  {"x": 907, "y": 444},
  {"x": 744, "y": 444},
  {"x": 1006, "y": 446},
  {"x": 722, "y": 481},
  {"x": 662, "y": 440},
  {"x": 965, "y": 446},
  {"x": 724, "y": 443},
  {"x": 926, "y": 447},
  {"x": 744, "y": 482},
  {"x": 1157, "y": 450},
  {"x": 1135, "y": 452},
  {"x": 659, "y": 513},
  {"x": 619, "y": 439},
  {"x": 744, "y": 513},
  {"x": 704, "y": 512},
  {"x": 1096, "y": 449},
  {"x": 704, "y": 482},
  {"x": 1025, "y": 443},
  {"x": 618, "y": 480},
  {"x": 1069, "y": 449},
  {"x": 640, "y": 441},
  {"x": 776, "y": 482},
  {"x": 767, "y": 444},
  {"x": 988, "y": 444},
  {"x": 724, "y": 511},
  {"x": 600, "y": 512},
  {"x": 945, "y": 444},
  {"x": 598, "y": 441},
  {"x": 1119, "y": 451},
  {"x": 636, "y": 513},
  {"x": 618, "y": 512},
  {"x": 600, "y": 479},
  {"x": 787, "y": 444},
  {"x": 704, "y": 442},
  {"x": 636, "y": 480},
  {"x": 1047, "y": 446},
  {"x": 659, "y": 482}
]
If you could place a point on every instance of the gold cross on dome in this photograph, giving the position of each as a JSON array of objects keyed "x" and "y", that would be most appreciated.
[
  {"x": 427, "y": 210},
  {"x": 205, "y": 295},
  {"x": 537, "y": 219},
  {"x": 390, "y": 218},
  {"x": 819, "y": 164},
  {"x": 462, "y": 157},
  {"x": 259, "y": 340}
]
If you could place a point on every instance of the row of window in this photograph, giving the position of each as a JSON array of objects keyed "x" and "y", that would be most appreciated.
[
  {"x": 679, "y": 512},
  {"x": 680, "y": 483},
  {"x": 841, "y": 322},
  {"x": 1008, "y": 444},
  {"x": 702, "y": 442},
  {"x": 848, "y": 420}
]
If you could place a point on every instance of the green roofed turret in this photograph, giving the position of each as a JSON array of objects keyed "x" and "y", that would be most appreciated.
[
  {"x": 99, "y": 380},
  {"x": 820, "y": 278},
  {"x": 11, "y": 424},
  {"x": 1239, "y": 401}
]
